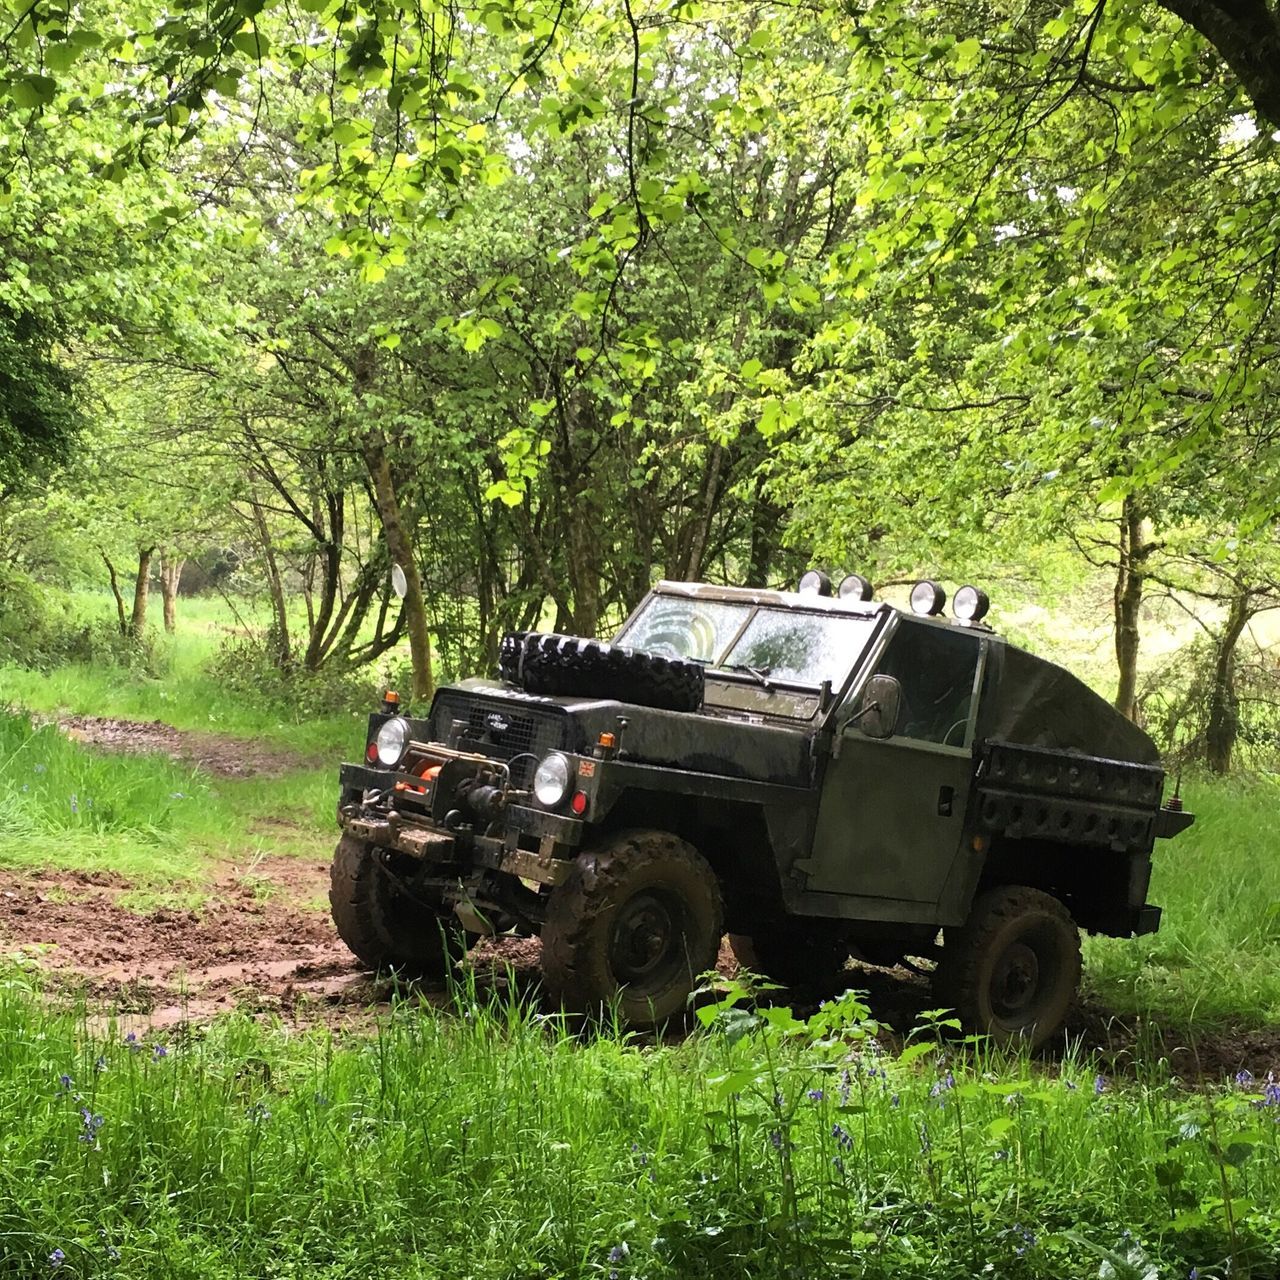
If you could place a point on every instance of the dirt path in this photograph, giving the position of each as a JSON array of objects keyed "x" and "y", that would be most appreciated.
[
  {"x": 215, "y": 753},
  {"x": 262, "y": 941}
]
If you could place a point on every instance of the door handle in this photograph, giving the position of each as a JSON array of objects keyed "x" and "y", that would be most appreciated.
[{"x": 946, "y": 798}]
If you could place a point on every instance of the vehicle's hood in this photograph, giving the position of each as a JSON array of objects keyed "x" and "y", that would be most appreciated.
[{"x": 680, "y": 739}]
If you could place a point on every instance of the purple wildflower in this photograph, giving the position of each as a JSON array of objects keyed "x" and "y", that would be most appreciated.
[
  {"x": 839, "y": 1164},
  {"x": 775, "y": 1137},
  {"x": 158, "y": 1051},
  {"x": 1100, "y": 1085},
  {"x": 100, "y": 1063},
  {"x": 619, "y": 1252},
  {"x": 1271, "y": 1091},
  {"x": 92, "y": 1123},
  {"x": 135, "y": 1045},
  {"x": 842, "y": 1136},
  {"x": 1000, "y": 1156},
  {"x": 1244, "y": 1079},
  {"x": 816, "y": 1095},
  {"x": 57, "y": 1258},
  {"x": 895, "y": 1101},
  {"x": 65, "y": 1082},
  {"x": 845, "y": 1085}
]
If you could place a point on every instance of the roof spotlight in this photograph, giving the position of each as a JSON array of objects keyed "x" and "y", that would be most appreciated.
[
  {"x": 970, "y": 604},
  {"x": 815, "y": 583},
  {"x": 927, "y": 598},
  {"x": 854, "y": 587}
]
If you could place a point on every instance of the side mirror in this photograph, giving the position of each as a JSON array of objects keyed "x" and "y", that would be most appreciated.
[{"x": 878, "y": 708}]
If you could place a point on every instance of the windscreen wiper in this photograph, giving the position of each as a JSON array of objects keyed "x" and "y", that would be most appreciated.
[{"x": 759, "y": 674}]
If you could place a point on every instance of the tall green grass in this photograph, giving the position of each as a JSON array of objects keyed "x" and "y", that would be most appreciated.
[
  {"x": 1216, "y": 957},
  {"x": 492, "y": 1143},
  {"x": 66, "y": 805}
]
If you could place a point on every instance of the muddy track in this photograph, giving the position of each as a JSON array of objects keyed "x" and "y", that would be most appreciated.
[
  {"x": 262, "y": 942},
  {"x": 215, "y": 753}
]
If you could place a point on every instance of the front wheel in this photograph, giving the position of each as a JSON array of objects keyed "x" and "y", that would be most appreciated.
[
  {"x": 1011, "y": 970},
  {"x": 386, "y": 927},
  {"x": 636, "y": 922}
]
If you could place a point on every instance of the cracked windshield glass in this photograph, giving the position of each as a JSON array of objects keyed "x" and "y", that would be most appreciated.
[{"x": 803, "y": 648}]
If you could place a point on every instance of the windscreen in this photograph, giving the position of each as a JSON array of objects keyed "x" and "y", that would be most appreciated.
[
  {"x": 679, "y": 628},
  {"x": 780, "y": 644},
  {"x": 806, "y": 648}
]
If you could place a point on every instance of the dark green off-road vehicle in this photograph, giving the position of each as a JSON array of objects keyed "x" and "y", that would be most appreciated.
[{"x": 820, "y": 775}]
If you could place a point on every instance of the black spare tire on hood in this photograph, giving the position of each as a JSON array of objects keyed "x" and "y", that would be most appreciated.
[{"x": 551, "y": 664}]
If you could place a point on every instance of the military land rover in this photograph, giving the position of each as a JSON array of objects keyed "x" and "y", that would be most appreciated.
[{"x": 820, "y": 774}]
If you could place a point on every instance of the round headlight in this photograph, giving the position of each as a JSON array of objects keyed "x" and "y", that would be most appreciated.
[
  {"x": 854, "y": 587},
  {"x": 392, "y": 741},
  {"x": 970, "y": 604},
  {"x": 927, "y": 597},
  {"x": 815, "y": 582},
  {"x": 552, "y": 780}
]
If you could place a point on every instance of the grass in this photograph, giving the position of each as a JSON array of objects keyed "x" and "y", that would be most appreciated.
[
  {"x": 155, "y": 822},
  {"x": 186, "y": 696},
  {"x": 1216, "y": 957},
  {"x": 496, "y": 1144}
]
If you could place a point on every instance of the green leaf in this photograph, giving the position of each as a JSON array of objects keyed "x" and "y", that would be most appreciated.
[{"x": 30, "y": 91}]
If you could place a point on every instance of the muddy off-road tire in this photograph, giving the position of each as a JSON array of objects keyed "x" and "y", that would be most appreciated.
[
  {"x": 1011, "y": 970},
  {"x": 548, "y": 663},
  {"x": 808, "y": 956},
  {"x": 383, "y": 926},
  {"x": 636, "y": 922}
]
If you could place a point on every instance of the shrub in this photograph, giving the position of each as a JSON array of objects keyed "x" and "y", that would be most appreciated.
[{"x": 248, "y": 665}]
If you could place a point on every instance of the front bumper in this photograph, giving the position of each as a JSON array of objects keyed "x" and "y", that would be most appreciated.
[{"x": 394, "y": 810}]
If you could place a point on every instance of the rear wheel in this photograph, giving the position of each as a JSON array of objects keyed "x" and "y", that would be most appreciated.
[
  {"x": 796, "y": 955},
  {"x": 1012, "y": 969},
  {"x": 638, "y": 919},
  {"x": 386, "y": 927}
]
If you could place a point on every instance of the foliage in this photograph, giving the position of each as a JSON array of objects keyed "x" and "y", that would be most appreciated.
[
  {"x": 247, "y": 666},
  {"x": 39, "y": 416},
  {"x": 516, "y": 1149}
]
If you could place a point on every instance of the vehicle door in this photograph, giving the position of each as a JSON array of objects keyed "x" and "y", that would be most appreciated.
[{"x": 892, "y": 810}]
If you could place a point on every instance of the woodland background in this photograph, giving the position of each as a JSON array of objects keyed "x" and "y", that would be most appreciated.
[{"x": 545, "y": 300}]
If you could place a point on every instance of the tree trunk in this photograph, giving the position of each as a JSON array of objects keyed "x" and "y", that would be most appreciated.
[
  {"x": 1222, "y": 724},
  {"x": 275, "y": 585},
  {"x": 1135, "y": 551},
  {"x": 401, "y": 553},
  {"x": 141, "y": 593},
  {"x": 170, "y": 576},
  {"x": 115, "y": 591}
]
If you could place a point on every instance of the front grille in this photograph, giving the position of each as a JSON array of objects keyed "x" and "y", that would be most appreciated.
[{"x": 501, "y": 728}]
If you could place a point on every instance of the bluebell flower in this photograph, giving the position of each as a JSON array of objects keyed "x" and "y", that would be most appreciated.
[
  {"x": 775, "y": 1137},
  {"x": 1000, "y": 1156},
  {"x": 816, "y": 1095},
  {"x": 845, "y": 1085},
  {"x": 57, "y": 1258},
  {"x": 158, "y": 1051},
  {"x": 1244, "y": 1079},
  {"x": 895, "y": 1101},
  {"x": 839, "y": 1164},
  {"x": 92, "y": 1123},
  {"x": 619, "y": 1252},
  {"x": 1100, "y": 1085},
  {"x": 65, "y": 1082},
  {"x": 842, "y": 1136},
  {"x": 135, "y": 1046},
  {"x": 100, "y": 1063}
]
